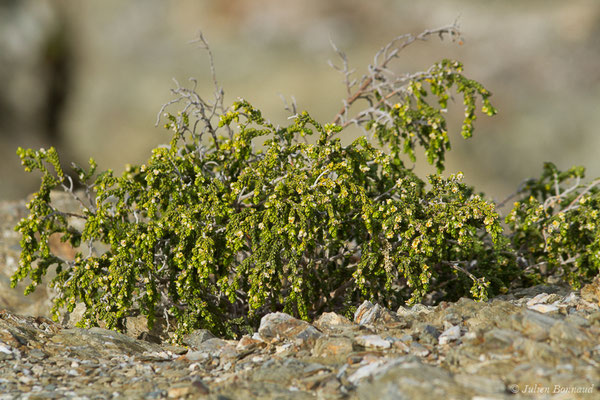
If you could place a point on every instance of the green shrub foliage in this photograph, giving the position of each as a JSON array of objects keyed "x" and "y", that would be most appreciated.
[
  {"x": 556, "y": 227},
  {"x": 237, "y": 217}
]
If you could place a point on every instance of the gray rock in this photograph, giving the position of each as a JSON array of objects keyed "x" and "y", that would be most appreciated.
[
  {"x": 330, "y": 322},
  {"x": 569, "y": 334},
  {"x": 577, "y": 320},
  {"x": 409, "y": 380},
  {"x": 543, "y": 308},
  {"x": 419, "y": 350},
  {"x": 369, "y": 314},
  {"x": 496, "y": 313},
  {"x": 591, "y": 291},
  {"x": 538, "y": 351},
  {"x": 194, "y": 388},
  {"x": 197, "y": 337},
  {"x": 421, "y": 309},
  {"x": 533, "y": 324},
  {"x": 373, "y": 341},
  {"x": 94, "y": 342},
  {"x": 137, "y": 327},
  {"x": 375, "y": 368},
  {"x": 277, "y": 326},
  {"x": 427, "y": 334},
  {"x": 208, "y": 348},
  {"x": 481, "y": 385},
  {"x": 449, "y": 335},
  {"x": 333, "y": 347},
  {"x": 500, "y": 339}
]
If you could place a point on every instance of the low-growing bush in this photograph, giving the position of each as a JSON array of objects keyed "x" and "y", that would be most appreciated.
[
  {"x": 555, "y": 229},
  {"x": 237, "y": 217}
]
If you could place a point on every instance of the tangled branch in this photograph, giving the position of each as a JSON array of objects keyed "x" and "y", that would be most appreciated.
[{"x": 380, "y": 84}]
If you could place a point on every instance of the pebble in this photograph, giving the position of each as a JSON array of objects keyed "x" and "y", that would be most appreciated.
[
  {"x": 449, "y": 335},
  {"x": 543, "y": 308},
  {"x": 373, "y": 341}
]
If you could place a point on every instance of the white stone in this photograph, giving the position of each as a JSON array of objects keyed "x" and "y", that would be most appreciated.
[
  {"x": 197, "y": 355},
  {"x": 450, "y": 335},
  {"x": 367, "y": 370},
  {"x": 373, "y": 341},
  {"x": 5, "y": 349},
  {"x": 543, "y": 308},
  {"x": 375, "y": 368},
  {"x": 366, "y": 313},
  {"x": 281, "y": 348},
  {"x": 540, "y": 298}
]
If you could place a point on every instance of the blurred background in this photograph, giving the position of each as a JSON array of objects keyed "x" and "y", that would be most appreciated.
[{"x": 89, "y": 77}]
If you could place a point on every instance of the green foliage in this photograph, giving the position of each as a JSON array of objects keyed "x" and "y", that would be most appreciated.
[
  {"x": 556, "y": 227},
  {"x": 237, "y": 217},
  {"x": 416, "y": 121}
]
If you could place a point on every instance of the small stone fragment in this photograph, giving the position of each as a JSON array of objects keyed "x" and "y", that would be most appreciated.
[
  {"x": 533, "y": 324},
  {"x": 194, "y": 388},
  {"x": 372, "y": 369},
  {"x": 370, "y": 314},
  {"x": 500, "y": 339},
  {"x": 331, "y": 321},
  {"x": 400, "y": 345},
  {"x": 175, "y": 349},
  {"x": 419, "y": 350},
  {"x": 421, "y": 309},
  {"x": 449, "y": 335},
  {"x": 541, "y": 298},
  {"x": 182, "y": 390},
  {"x": 5, "y": 352},
  {"x": 373, "y": 341},
  {"x": 210, "y": 347},
  {"x": 327, "y": 346},
  {"x": 563, "y": 332},
  {"x": 427, "y": 334},
  {"x": 591, "y": 291},
  {"x": 155, "y": 394},
  {"x": 195, "y": 338},
  {"x": 543, "y": 308},
  {"x": 248, "y": 343}
]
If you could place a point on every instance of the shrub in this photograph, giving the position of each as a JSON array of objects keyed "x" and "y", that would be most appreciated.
[
  {"x": 555, "y": 228},
  {"x": 237, "y": 217}
]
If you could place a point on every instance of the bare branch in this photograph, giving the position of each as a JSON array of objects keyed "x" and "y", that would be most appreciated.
[
  {"x": 345, "y": 69},
  {"x": 204, "y": 111},
  {"x": 575, "y": 203},
  {"x": 388, "y": 84},
  {"x": 292, "y": 108}
]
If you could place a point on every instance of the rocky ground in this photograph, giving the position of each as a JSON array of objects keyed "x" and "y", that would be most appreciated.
[{"x": 539, "y": 342}]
